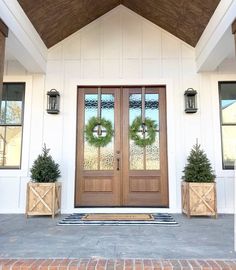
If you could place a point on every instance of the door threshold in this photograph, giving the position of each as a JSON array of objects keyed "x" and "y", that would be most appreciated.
[{"x": 121, "y": 210}]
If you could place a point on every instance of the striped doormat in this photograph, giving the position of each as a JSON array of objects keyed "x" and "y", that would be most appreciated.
[{"x": 119, "y": 219}]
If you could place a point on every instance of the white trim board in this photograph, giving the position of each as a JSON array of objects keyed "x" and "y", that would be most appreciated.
[{"x": 116, "y": 210}]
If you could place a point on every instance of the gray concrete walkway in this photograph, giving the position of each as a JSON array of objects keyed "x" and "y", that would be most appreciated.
[{"x": 40, "y": 237}]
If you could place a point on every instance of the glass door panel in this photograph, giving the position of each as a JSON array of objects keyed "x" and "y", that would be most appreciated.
[
  {"x": 152, "y": 151},
  {"x": 136, "y": 152},
  {"x": 90, "y": 151},
  {"x": 99, "y": 158},
  {"x": 144, "y": 158}
]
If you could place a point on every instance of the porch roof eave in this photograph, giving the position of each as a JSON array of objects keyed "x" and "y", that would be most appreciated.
[
  {"x": 216, "y": 42},
  {"x": 23, "y": 41}
]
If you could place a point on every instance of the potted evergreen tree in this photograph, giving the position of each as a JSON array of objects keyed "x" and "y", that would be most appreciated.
[
  {"x": 198, "y": 186},
  {"x": 43, "y": 191}
]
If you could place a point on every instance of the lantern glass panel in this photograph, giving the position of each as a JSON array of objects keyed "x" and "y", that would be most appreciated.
[
  {"x": 191, "y": 102},
  {"x": 53, "y": 103}
]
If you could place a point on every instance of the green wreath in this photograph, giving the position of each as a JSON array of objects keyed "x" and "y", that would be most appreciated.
[
  {"x": 135, "y": 127},
  {"x": 98, "y": 141}
]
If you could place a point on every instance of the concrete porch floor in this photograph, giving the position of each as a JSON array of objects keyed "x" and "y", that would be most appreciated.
[{"x": 40, "y": 237}]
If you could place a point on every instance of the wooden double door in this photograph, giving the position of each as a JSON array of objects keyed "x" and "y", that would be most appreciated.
[{"x": 121, "y": 173}]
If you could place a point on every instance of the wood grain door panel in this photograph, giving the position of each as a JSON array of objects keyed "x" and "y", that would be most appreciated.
[
  {"x": 98, "y": 184},
  {"x": 144, "y": 184}
]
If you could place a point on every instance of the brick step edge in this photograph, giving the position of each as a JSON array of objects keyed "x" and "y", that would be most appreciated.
[{"x": 115, "y": 264}]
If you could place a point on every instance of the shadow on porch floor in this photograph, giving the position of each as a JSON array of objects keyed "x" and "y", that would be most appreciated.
[{"x": 40, "y": 237}]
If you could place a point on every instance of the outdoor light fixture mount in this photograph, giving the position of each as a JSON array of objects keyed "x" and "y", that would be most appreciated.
[
  {"x": 190, "y": 97},
  {"x": 53, "y": 101}
]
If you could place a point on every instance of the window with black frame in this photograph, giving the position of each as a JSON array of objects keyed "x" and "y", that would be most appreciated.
[
  {"x": 11, "y": 124},
  {"x": 227, "y": 92}
]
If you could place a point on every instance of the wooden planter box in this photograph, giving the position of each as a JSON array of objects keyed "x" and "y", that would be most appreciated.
[
  {"x": 199, "y": 199},
  {"x": 43, "y": 199}
]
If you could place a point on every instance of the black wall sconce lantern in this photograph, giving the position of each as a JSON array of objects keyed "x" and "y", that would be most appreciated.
[
  {"x": 53, "y": 101},
  {"x": 190, "y": 97}
]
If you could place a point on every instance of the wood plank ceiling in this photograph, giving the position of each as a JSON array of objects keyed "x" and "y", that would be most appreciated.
[{"x": 57, "y": 19}]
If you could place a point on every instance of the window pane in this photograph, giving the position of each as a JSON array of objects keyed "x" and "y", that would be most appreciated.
[
  {"x": 107, "y": 111},
  {"x": 3, "y": 105},
  {"x": 90, "y": 107},
  {"x": 152, "y": 112},
  {"x": 144, "y": 158},
  {"x": 90, "y": 156},
  {"x": 107, "y": 156},
  {"x": 228, "y": 117},
  {"x": 13, "y": 146},
  {"x": 11, "y": 112},
  {"x": 136, "y": 156},
  {"x": 107, "y": 107},
  {"x": 229, "y": 145},
  {"x": 152, "y": 107},
  {"x": 99, "y": 158},
  {"x": 152, "y": 155},
  {"x": 90, "y": 151},
  {"x": 135, "y": 107},
  {"x": 14, "y": 104},
  {"x": 136, "y": 152},
  {"x": 228, "y": 102},
  {"x": 2, "y": 143}
]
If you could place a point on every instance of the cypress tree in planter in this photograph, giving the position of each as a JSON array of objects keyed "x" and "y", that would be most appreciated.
[
  {"x": 198, "y": 187},
  {"x": 44, "y": 192}
]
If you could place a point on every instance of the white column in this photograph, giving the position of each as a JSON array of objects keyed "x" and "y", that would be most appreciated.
[{"x": 234, "y": 206}]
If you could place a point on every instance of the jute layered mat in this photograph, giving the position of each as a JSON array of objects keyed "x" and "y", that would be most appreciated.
[{"x": 119, "y": 219}]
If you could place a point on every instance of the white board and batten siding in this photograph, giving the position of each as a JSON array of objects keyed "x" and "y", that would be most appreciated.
[{"x": 119, "y": 48}]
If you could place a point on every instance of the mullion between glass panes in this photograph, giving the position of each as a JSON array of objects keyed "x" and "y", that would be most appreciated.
[
  {"x": 143, "y": 118},
  {"x": 99, "y": 114}
]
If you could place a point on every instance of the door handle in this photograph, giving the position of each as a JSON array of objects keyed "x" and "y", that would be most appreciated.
[{"x": 118, "y": 164}]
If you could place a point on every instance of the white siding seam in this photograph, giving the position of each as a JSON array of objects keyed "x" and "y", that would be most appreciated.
[
  {"x": 31, "y": 115},
  {"x": 122, "y": 45}
]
